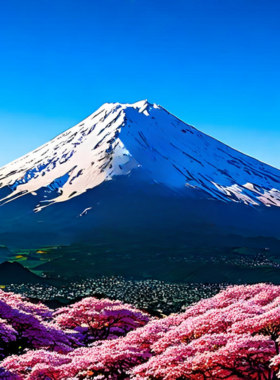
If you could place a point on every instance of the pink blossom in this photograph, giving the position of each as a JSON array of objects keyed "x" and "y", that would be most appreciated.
[
  {"x": 100, "y": 319},
  {"x": 233, "y": 335}
]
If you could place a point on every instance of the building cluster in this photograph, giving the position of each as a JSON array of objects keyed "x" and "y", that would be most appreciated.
[
  {"x": 258, "y": 260},
  {"x": 152, "y": 295}
]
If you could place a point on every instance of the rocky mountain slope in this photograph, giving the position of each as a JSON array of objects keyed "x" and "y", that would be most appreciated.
[{"x": 142, "y": 154}]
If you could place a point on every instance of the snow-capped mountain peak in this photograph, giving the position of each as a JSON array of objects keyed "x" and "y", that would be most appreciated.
[{"x": 119, "y": 138}]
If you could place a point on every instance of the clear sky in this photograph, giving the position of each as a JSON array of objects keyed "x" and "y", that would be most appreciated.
[{"x": 213, "y": 63}]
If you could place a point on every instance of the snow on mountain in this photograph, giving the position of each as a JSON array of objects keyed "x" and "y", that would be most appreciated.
[{"x": 120, "y": 138}]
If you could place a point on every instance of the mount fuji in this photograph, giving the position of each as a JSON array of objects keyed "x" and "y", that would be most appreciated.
[{"x": 135, "y": 169}]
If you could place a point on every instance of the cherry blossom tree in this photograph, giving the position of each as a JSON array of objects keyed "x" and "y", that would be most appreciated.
[
  {"x": 217, "y": 356},
  {"x": 100, "y": 319},
  {"x": 24, "y": 325},
  {"x": 23, "y": 304},
  {"x": 233, "y": 335}
]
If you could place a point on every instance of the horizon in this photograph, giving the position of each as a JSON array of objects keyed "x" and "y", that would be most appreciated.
[{"x": 212, "y": 65}]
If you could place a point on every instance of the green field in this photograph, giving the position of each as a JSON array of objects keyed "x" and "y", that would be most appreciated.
[{"x": 180, "y": 263}]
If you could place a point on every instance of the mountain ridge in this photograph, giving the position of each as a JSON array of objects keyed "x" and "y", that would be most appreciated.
[
  {"x": 120, "y": 153},
  {"x": 128, "y": 166}
]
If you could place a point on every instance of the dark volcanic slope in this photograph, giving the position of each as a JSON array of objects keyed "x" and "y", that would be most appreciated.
[
  {"x": 135, "y": 168},
  {"x": 15, "y": 273}
]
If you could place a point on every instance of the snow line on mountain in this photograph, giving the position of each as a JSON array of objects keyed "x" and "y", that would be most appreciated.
[{"x": 119, "y": 138}]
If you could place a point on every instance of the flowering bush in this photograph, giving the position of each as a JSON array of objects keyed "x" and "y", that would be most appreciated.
[
  {"x": 100, "y": 319},
  {"x": 25, "y": 325},
  {"x": 234, "y": 335}
]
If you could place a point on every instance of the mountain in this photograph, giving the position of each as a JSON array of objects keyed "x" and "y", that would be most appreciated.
[
  {"x": 15, "y": 273},
  {"x": 135, "y": 167},
  {"x": 5, "y": 254}
]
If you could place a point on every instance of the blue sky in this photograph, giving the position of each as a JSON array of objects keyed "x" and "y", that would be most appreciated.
[{"x": 213, "y": 63}]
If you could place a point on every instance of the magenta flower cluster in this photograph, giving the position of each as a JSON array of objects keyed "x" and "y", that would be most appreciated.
[{"x": 234, "y": 335}]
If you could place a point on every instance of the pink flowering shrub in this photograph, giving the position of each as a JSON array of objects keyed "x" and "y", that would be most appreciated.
[
  {"x": 234, "y": 335},
  {"x": 217, "y": 356},
  {"x": 100, "y": 319},
  {"x": 25, "y": 325},
  {"x": 15, "y": 300}
]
